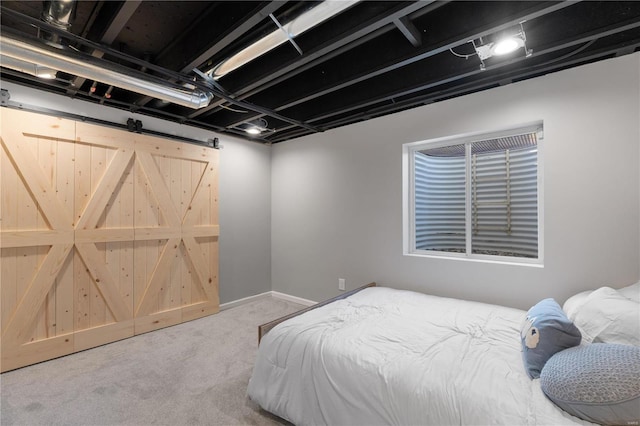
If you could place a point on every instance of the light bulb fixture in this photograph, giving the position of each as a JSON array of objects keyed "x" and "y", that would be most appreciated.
[
  {"x": 503, "y": 46},
  {"x": 256, "y": 127},
  {"x": 507, "y": 45}
]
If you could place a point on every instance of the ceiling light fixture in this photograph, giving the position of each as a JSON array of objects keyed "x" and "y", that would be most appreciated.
[
  {"x": 507, "y": 45},
  {"x": 253, "y": 130},
  {"x": 503, "y": 46},
  {"x": 309, "y": 19},
  {"x": 257, "y": 127}
]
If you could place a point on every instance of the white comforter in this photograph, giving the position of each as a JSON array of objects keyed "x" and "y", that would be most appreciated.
[{"x": 392, "y": 357}]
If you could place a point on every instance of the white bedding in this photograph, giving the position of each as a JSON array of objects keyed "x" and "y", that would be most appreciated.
[{"x": 393, "y": 357}]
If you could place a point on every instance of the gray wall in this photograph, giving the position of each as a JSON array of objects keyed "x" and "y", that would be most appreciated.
[
  {"x": 245, "y": 219},
  {"x": 244, "y": 191},
  {"x": 296, "y": 216},
  {"x": 337, "y": 196}
]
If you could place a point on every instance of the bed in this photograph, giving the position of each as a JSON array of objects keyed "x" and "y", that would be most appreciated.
[{"x": 383, "y": 356}]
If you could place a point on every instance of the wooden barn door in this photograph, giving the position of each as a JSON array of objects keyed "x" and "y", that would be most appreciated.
[
  {"x": 103, "y": 234},
  {"x": 37, "y": 238},
  {"x": 176, "y": 233}
]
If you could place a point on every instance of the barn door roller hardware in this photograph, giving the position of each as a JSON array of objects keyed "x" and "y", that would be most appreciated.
[{"x": 134, "y": 125}]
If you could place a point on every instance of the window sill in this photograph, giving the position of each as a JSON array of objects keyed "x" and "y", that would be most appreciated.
[{"x": 534, "y": 263}]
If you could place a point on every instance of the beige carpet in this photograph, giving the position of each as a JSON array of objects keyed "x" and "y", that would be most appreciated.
[{"x": 190, "y": 374}]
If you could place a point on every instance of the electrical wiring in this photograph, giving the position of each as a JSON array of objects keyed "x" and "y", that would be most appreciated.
[
  {"x": 233, "y": 109},
  {"x": 465, "y": 56}
]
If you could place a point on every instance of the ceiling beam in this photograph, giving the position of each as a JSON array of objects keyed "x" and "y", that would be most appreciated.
[
  {"x": 365, "y": 65},
  {"x": 400, "y": 92},
  {"x": 409, "y": 30},
  {"x": 408, "y": 58},
  {"x": 322, "y": 53},
  {"x": 164, "y": 71},
  {"x": 174, "y": 56},
  {"x": 427, "y": 52},
  {"x": 474, "y": 86},
  {"x": 254, "y": 19},
  {"x": 89, "y": 44},
  {"x": 120, "y": 19}
]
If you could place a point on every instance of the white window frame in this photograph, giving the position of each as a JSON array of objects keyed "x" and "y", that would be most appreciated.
[{"x": 408, "y": 202}]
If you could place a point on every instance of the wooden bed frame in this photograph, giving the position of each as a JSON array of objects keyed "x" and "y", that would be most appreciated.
[{"x": 264, "y": 328}]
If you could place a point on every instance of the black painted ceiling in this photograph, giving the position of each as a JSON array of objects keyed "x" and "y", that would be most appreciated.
[{"x": 374, "y": 58}]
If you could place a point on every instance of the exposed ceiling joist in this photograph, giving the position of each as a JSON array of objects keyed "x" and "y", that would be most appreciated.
[
  {"x": 401, "y": 58},
  {"x": 371, "y": 59},
  {"x": 122, "y": 16},
  {"x": 324, "y": 52},
  {"x": 175, "y": 56},
  {"x": 406, "y": 27}
]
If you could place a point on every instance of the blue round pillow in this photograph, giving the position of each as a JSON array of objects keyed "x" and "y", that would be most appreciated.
[{"x": 599, "y": 382}]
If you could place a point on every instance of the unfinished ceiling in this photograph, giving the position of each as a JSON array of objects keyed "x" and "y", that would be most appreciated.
[{"x": 285, "y": 69}]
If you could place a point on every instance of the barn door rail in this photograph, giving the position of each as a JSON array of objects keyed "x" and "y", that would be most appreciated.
[{"x": 5, "y": 101}]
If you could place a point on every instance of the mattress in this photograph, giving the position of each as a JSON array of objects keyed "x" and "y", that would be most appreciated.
[{"x": 393, "y": 357}]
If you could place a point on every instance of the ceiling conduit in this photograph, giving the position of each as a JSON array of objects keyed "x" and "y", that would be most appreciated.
[{"x": 95, "y": 69}]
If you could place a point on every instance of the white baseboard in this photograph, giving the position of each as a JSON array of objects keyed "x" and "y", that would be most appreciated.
[
  {"x": 294, "y": 299},
  {"x": 244, "y": 300},
  {"x": 276, "y": 294}
]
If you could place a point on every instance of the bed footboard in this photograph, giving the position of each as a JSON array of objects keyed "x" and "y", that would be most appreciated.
[{"x": 264, "y": 328}]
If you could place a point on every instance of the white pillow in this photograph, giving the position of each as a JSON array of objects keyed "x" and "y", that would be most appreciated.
[
  {"x": 631, "y": 292},
  {"x": 574, "y": 303},
  {"x": 608, "y": 317}
]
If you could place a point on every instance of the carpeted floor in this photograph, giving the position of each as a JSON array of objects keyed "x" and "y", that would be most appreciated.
[{"x": 190, "y": 374}]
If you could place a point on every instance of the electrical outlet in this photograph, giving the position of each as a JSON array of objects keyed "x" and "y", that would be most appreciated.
[{"x": 341, "y": 284}]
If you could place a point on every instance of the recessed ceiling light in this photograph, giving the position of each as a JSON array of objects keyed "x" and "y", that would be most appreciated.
[
  {"x": 256, "y": 126},
  {"x": 507, "y": 45}
]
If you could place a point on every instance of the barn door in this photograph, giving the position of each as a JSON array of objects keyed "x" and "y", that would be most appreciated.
[
  {"x": 36, "y": 239},
  {"x": 103, "y": 234},
  {"x": 176, "y": 233}
]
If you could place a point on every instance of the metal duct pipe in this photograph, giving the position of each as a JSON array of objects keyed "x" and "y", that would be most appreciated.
[
  {"x": 59, "y": 14},
  {"x": 93, "y": 69},
  {"x": 27, "y": 67}
]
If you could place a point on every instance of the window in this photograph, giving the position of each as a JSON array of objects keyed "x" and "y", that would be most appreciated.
[{"x": 475, "y": 196}]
